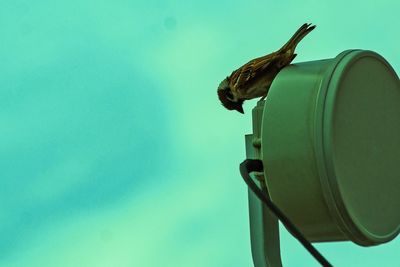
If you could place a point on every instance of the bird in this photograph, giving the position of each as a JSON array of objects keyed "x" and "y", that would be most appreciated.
[{"x": 253, "y": 79}]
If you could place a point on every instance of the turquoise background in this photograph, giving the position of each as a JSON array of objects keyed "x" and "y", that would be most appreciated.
[{"x": 114, "y": 149}]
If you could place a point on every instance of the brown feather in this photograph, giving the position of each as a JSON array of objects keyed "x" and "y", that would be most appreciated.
[
  {"x": 254, "y": 78},
  {"x": 247, "y": 75}
]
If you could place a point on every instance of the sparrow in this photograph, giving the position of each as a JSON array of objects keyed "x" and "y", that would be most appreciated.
[{"x": 254, "y": 78}]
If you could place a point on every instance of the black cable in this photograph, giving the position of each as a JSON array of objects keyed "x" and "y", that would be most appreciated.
[{"x": 251, "y": 165}]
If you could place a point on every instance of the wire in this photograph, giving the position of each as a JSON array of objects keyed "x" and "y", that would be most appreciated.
[{"x": 251, "y": 165}]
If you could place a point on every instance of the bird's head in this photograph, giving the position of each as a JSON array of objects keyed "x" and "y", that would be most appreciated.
[{"x": 227, "y": 99}]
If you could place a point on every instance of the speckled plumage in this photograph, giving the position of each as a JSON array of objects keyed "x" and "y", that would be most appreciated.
[{"x": 254, "y": 78}]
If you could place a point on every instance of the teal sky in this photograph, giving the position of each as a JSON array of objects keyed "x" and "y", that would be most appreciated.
[{"x": 114, "y": 150}]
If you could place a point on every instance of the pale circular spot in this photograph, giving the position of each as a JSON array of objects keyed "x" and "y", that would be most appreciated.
[{"x": 170, "y": 23}]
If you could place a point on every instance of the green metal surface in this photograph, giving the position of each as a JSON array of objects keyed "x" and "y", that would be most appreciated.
[
  {"x": 264, "y": 227},
  {"x": 330, "y": 145},
  {"x": 361, "y": 140}
]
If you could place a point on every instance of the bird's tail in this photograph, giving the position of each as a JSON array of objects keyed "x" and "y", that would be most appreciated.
[{"x": 305, "y": 29}]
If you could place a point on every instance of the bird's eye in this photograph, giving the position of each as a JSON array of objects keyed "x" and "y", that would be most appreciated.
[{"x": 229, "y": 95}]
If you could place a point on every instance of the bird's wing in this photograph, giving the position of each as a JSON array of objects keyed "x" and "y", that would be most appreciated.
[{"x": 248, "y": 71}]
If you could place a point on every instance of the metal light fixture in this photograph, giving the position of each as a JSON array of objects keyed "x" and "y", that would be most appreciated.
[{"x": 328, "y": 137}]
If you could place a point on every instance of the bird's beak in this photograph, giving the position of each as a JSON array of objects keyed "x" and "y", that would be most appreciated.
[{"x": 240, "y": 109}]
